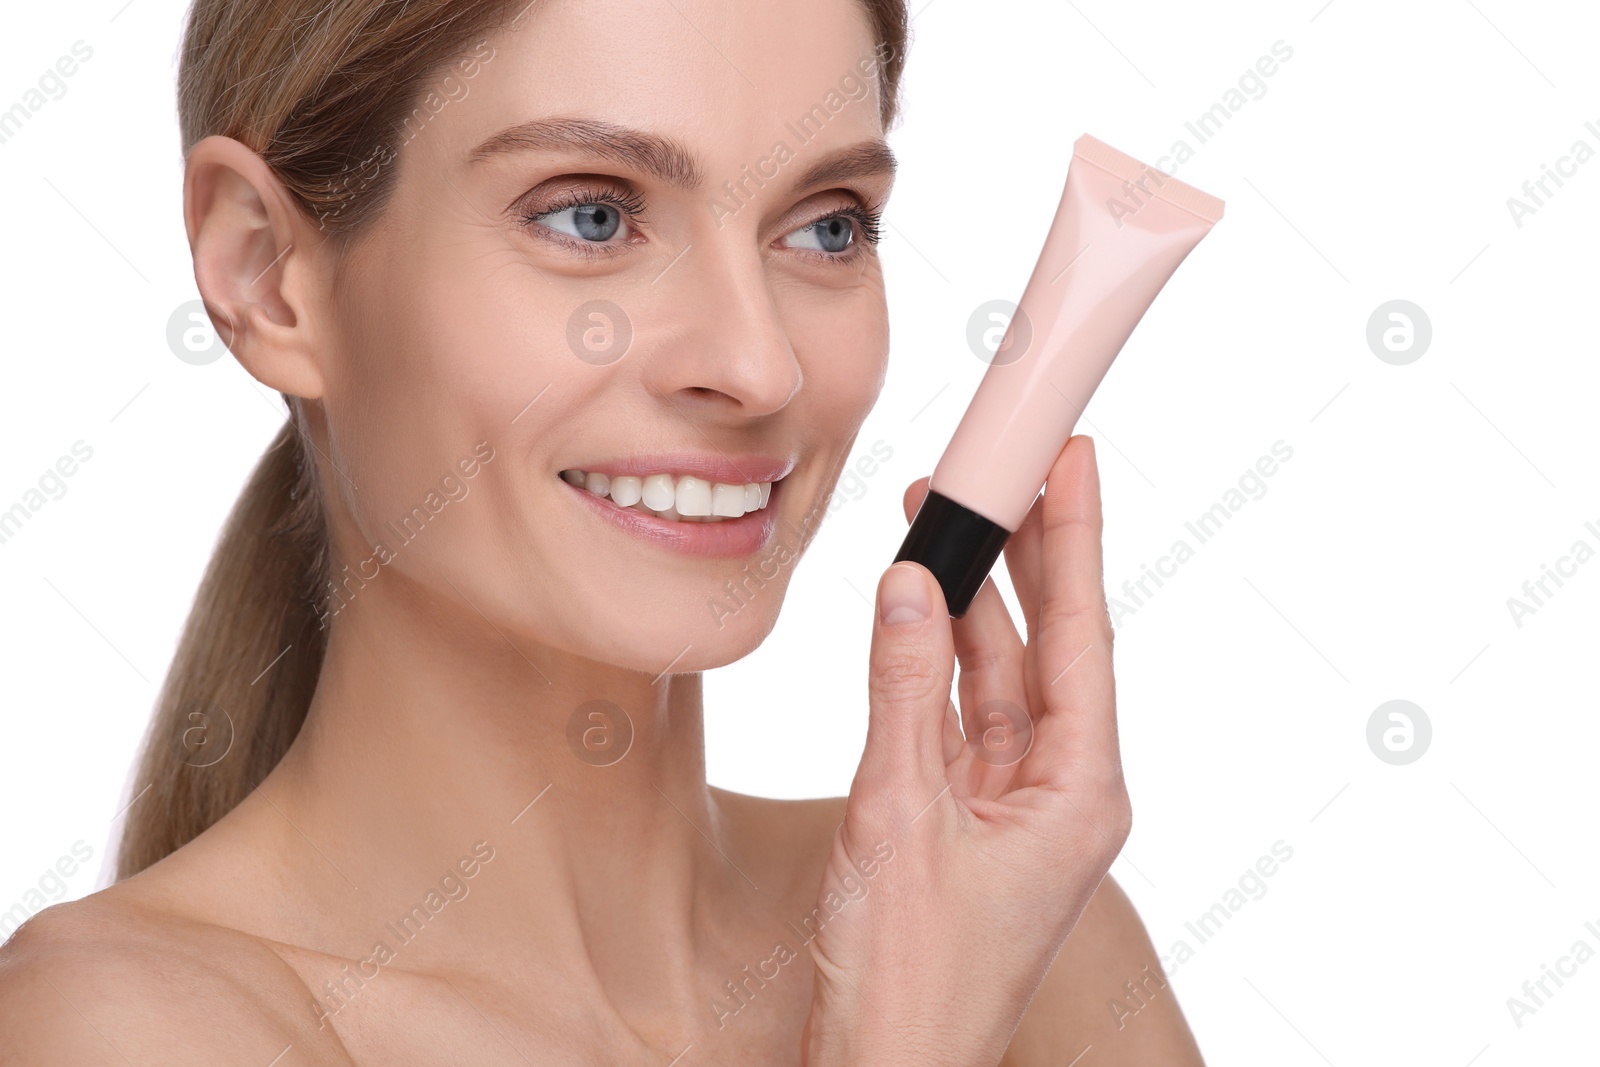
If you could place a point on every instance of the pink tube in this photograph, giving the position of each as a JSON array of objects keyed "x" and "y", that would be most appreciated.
[{"x": 1121, "y": 229}]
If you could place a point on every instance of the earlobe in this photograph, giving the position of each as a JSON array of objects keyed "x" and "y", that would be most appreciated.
[{"x": 258, "y": 264}]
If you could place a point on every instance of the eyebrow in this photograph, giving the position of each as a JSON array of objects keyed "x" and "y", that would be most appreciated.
[{"x": 664, "y": 158}]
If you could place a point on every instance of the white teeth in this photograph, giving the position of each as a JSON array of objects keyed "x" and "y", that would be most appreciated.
[
  {"x": 686, "y": 498},
  {"x": 728, "y": 500},
  {"x": 693, "y": 496},
  {"x": 626, "y": 490},
  {"x": 658, "y": 492}
]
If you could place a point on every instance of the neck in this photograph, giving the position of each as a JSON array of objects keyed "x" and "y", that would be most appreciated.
[{"x": 431, "y": 733}]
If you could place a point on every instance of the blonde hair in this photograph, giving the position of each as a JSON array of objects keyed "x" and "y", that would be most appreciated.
[{"x": 323, "y": 91}]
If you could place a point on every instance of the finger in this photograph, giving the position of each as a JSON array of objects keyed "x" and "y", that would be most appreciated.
[
  {"x": 911, "y": 665},
  {"x": 915, "y": 493},
  {"x": 1079, "y": 724},
  {"x": 987, "y": 645},
  {"x": 994, "y": 696}
]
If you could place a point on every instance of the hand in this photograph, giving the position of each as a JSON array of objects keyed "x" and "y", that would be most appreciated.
[{"x": 963, "y": 862}]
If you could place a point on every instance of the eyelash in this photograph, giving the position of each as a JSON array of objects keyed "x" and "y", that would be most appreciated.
[
  {"x": 866, "y": 218},
  {"x": 632, "y": 205}
]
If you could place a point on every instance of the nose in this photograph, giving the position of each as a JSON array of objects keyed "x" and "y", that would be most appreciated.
[{"x": 722, "y": 348}]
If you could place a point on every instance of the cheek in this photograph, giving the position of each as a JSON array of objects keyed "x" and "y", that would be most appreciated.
[
  {"x": 428, "y": 387},
  {"x": 444, "y": 347},
  {"x": 842, "y": 344}
]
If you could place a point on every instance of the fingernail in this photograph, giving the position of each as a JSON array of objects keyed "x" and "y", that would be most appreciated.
[{"x": 903, "y": 597}]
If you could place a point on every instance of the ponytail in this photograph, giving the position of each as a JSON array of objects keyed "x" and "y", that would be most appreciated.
[{"x": 246, "y": 666}]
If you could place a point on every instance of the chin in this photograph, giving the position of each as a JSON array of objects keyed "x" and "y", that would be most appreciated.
[{"x": 699, "y": 634}]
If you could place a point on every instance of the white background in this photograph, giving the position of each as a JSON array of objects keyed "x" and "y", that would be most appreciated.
[{"x": 1377, "y": 566}]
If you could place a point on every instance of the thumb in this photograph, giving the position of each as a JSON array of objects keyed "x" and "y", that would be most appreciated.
[{"x": 911, "y": 667}]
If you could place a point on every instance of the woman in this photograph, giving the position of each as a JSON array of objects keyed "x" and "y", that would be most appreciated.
[{"x": 544, "y": 288}]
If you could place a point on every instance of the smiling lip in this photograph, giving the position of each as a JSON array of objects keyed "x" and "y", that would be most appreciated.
[
  {"x": 730, "y": 470},
  {"x": 727, "y": 539}
]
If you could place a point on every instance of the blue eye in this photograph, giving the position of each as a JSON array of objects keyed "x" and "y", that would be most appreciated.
[
  {"x": 591, "y": 222},
  {"x": 832, "y": 234},
  {"x": 835, "y": 236},
  {"x": 586, "y": 218}
]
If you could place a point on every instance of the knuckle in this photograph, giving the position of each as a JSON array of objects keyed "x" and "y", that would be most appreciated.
[
  {"x": 982, "y": 659},
  {"x": 1119, "y": 818},
  {"x": 898, "y": 672},
  {"x": 990, "y": 659},
  {"x": 1066, "y": 615},
  {"x": 1064, "y": 518},
  {"x": 1096, "y": 823},
  {"x": 882, "y": 806},
  {"x": 873, "y": 803}
]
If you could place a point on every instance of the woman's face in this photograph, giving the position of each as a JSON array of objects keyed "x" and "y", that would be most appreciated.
[{"x": 668, "y": 273}]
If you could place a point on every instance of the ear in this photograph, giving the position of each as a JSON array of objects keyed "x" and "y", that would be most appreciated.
[{"x": 260, "y": 265}]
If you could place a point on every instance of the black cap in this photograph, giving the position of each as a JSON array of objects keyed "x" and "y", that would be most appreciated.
[{"x": 957, "y": 544}]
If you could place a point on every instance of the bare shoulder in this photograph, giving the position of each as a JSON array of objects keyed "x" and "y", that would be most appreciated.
[
  {"x": 108, "y": 980},
  {"x": 1105, "y": 990}
]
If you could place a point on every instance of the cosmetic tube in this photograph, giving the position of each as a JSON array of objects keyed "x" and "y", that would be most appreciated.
[{"x": 1120, "y": 230}]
